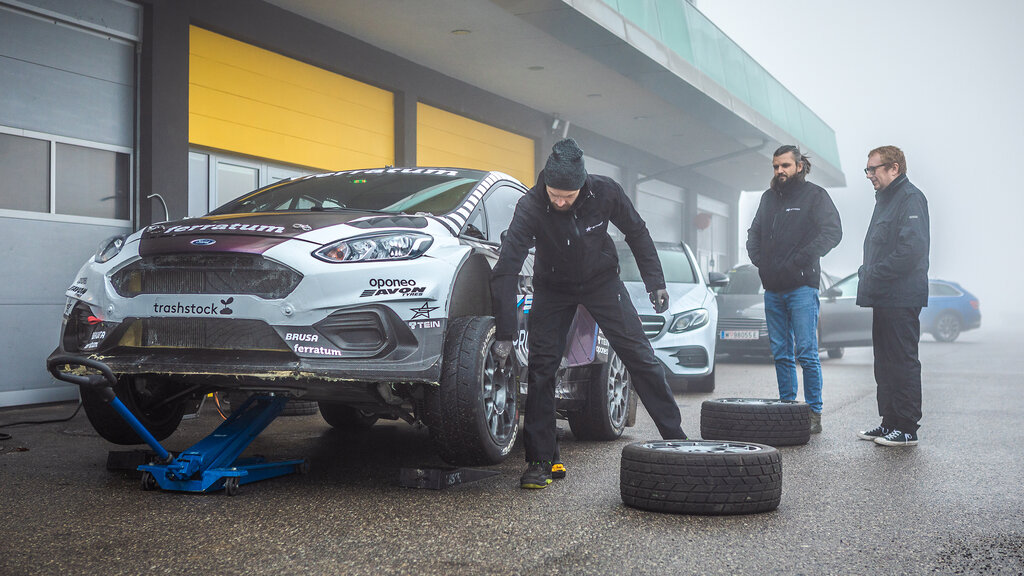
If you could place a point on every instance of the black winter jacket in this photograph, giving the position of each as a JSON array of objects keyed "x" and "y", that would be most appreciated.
[
  {"x": 790, "y": 233},
  {"x": 895, "y": 270},
  {"x": 574, "y": 250}
]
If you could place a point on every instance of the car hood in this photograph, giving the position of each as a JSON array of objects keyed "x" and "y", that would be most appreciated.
[
  {"x": 741, "y": 306},
  {"x": 256, "y": 233},
  {"x": 681, "y": 297}
]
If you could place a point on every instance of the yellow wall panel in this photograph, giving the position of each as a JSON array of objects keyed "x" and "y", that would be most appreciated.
[
  {"x": 252, "y": 101},
  {"x": 446, "y": 139}
]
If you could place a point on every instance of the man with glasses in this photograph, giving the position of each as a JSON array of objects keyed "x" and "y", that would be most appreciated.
[
  {"x": 795, "y": 225},
  {"x": 894, "y": 284}
]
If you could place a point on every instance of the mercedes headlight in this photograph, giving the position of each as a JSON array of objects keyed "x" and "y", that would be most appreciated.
[
  {"x": 109, "y": 248},
  {"x": 376, "y": 247},
  {"x": 689, "y": 320}
]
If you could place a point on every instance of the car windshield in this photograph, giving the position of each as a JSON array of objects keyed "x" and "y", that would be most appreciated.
[
  {"x": 743, "y": 280},
  {"x": 390, "y": 190},
  {"x": 674, "y": 263}
]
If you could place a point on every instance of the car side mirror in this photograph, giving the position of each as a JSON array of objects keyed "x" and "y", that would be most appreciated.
[{"x": 717, "y": 280}]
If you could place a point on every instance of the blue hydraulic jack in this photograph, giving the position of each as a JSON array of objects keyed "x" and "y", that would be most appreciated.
[{"x": 212, "y": 463}]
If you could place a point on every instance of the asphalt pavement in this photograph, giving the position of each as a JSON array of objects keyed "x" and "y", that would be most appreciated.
[{"x": 952, "y": 505}]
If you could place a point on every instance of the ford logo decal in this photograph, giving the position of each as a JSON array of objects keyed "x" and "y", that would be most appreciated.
[{"x": 203, "y": 242}]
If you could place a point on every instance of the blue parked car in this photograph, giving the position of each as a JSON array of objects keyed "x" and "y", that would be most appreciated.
[{"x": 950, "y": 311}]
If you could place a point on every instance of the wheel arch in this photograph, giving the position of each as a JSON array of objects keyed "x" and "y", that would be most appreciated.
[{"x": 470, "y": 293}]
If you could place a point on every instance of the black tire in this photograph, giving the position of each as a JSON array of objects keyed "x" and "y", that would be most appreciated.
[
  {"x": 701, "y": 477},
  {"x": 346, "y": 418},
  {"x": 606, "y": 406},
  {"x": 836, "y": 353},
  {"x": 760, "y": 420},
  {"x": 947, "y": 327},
  {"x": 705, "y": 384},
  {"x": 144, "y": 397},
  {"x": 473, "y": 415}
]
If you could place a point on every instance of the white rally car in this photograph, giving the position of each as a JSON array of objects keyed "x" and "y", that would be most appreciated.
[{"x": 364, "y": 290}]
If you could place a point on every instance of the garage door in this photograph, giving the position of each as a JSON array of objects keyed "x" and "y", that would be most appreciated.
[
  {"x": 67, "y": 102},
  {"x": 661, "y": 205},
  {"x": 255, "y": 102},
  {"x": 446, "y": 139}
]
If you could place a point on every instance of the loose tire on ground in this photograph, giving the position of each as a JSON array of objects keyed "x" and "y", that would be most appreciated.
[
  {"x": 473, "y": 415},
  {"x": 294, "y": 407},
  {"x": 701, "y": 477},
  {"x": 606, "y": 406},
  {"x": 144, "y": 397},
  {"x": 761, "y": 420},
  {"x": 346, "y": 418}
]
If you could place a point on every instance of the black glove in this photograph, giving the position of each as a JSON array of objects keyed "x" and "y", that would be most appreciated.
[
  {"x": 501, "y": 349},
  {"x": 660, "y": 300}
]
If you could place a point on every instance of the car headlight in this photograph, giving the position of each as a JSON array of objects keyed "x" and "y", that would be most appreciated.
[
  {"x": 109, "y": 248},
  {"x": 376, "y": 247},
  {"x": 689, "y": 320}
]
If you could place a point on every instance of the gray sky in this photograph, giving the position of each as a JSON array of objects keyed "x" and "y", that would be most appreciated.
[{"x": 941, "y": 79}]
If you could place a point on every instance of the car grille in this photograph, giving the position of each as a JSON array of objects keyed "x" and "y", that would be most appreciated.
[
  {"x": 652, "y": 324},
  {"x": 206, "y": 274},
  {"x": 202, "y": 333},
  {"x": 691, "y": 357},
  {"x": 743, "y": 324}
]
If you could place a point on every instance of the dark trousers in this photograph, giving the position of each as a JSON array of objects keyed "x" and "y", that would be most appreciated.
[
  {"x": 895, "y": 334},
  {"x": 550, "y": 319}
]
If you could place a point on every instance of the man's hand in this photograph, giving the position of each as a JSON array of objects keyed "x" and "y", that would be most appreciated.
[
  {"x": 501, "y": 349},
  {"x": 660, "y": 300}
]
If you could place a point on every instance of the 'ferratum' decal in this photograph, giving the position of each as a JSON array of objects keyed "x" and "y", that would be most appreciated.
[{"x": 236, "y": 226}]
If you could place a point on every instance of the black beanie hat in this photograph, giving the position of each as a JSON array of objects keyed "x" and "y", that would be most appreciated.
[{"x": 564, "y": 169}]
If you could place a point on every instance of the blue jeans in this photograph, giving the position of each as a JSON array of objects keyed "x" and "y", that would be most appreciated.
[{"x": 793, "y": 331}]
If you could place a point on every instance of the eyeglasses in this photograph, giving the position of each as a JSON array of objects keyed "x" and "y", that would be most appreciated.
[{"x": 870, "y": 170}]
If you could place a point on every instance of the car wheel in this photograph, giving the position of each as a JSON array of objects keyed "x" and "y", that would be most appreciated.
[
  {"x": 346, "y": 418},
  {"x": 947, "y": 327},
  {"x": 760, "y": 420},
  {"x": 705, "y": 384},
  {"x": 473, "y": 414},
  {"x": 701, "y": 477},
  {"x": 836, "y": 353},
  {"x": 606, "y": 406},
  {"x": 145, "y": 398}
]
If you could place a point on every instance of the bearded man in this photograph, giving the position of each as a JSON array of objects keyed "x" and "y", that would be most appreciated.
[{"x": 795, "y": 225}]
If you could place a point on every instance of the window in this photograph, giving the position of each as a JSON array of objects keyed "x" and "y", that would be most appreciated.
[
  {"x": 500, "y": 206},
  {"x": 58, "y": 175},
  {"x": 234, "y": 180},
  {"x": 936, "y": 289},
  {"x": 25, "y": 165},
  {"x": 92, "y": 182}
]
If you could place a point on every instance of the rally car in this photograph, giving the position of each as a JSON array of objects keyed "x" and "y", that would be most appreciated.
[{"x": 364, "y": 290}]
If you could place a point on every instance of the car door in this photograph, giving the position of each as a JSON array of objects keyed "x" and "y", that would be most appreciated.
[{"x": 842, "y": 322}]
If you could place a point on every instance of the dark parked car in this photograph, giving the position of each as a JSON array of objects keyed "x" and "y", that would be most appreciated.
[{"x": 950, "y": 311}]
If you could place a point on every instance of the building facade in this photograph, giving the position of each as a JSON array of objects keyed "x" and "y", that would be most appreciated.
[{"x": 117, "y": 114}]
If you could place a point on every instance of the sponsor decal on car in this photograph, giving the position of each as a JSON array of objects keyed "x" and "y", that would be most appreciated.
[
  {"x": 416, "y": 324},
  {"x": 236, "y": 226},
  {"x": 434, "y": 171},
  {"x": 317, "y": 350},
  {"x": 293, "y": 337},
  {"x": 179, "y": 308},
  {"x": 524, "y": 301},
  {"x": 391, "y": 286},
  {"x": 423, "y": 311},
  {"x": 203, "y": 242}
]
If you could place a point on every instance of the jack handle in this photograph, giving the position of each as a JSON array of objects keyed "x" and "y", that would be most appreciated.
[{"x": 103, "y": 383}]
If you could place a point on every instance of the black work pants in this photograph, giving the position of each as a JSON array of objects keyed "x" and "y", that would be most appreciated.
[
  {"x": 550, "y": 319},
  {"x": 895, "y": 334}
]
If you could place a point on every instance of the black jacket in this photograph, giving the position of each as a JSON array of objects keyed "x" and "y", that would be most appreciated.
[
  {"x": 895, "y": 270},
  {"x": 790, "y": 233},
  {"x": 574, "y": 250}
]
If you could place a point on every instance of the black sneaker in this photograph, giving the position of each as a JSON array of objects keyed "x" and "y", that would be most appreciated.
[
  {"x": 537, "y": 475},
  {"x": 876, "y": 432},
  {"x": 897, "y": 438}
]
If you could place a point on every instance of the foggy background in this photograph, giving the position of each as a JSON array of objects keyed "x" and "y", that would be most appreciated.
[{"x": 942, "y": 80}]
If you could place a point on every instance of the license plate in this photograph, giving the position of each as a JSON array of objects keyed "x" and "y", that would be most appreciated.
[{"x": 738, "y": 335}]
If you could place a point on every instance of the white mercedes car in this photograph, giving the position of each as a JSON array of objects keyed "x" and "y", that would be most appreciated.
[
  {"x": 683, "y": 336},
  {"x": 364, "y": 290}
]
